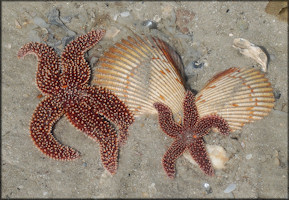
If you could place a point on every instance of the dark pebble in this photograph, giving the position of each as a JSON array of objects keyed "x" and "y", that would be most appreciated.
[
  {"x": 197, "y": 64},
  {"x": 277, "y": 94}
]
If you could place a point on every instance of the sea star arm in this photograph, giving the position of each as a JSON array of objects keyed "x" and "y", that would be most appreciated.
[
  {"x": 45, "y": 115},
  {"x": 190, "y": 110},
  {"x": 111, "y": 107},
  {"x": 47, "y": 77},
  {"x": 98, "y": 128},
  {"x": 170, "y": 157},
  {"x": 107, "y": 138},
  {"x": 199, "y": 154},
  {"x": 75, "y": 69},
  {"x": 206, "y": 123},
  {"x": 167, "y": 124}
]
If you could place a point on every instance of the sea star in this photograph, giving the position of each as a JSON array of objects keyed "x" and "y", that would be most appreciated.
[
  {"x": 91, "y": 109},
  {"x": 189, "y": 135}
]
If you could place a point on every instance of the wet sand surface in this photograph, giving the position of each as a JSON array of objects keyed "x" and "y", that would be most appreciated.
[{"x": 201, "y": 32}]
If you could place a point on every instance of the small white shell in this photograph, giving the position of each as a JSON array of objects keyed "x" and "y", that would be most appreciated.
[
  {"x": 217, "y": 155},
  {"x": 230, "y": 188}
]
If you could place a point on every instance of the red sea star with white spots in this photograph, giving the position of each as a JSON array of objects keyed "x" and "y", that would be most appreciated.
[
  {"x": 91, "y": 109},
  {"x": 189, "y": 135}
]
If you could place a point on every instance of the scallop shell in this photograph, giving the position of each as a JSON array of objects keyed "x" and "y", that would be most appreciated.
[
  {"x": 239, "y": 95},
  {"x": 145, "y": 70},
  {"x": 142, "y": 71}
]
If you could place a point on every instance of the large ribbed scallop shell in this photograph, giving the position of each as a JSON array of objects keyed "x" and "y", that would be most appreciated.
[
  {"x": 239, "y": 95},
  {"x": 142, "y": 71}
]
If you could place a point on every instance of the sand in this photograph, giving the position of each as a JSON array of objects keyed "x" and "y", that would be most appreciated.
[{"x": 199, "y": 31}]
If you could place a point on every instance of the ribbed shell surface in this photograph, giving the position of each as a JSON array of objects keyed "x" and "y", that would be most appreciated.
[
  {"x": 145, "y": 70},
  {"x": 239, "y": 95},
  {"x": 142, "y": 71}
]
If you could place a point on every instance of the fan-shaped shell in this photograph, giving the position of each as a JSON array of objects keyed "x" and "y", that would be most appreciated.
[
  {"x": 239, "y": 95},
  {"x": 142, "y": 71}
]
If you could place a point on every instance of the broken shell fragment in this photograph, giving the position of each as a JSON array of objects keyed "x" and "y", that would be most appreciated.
[
  {"x": 253, "y": 51},
  {"x": 17, "y": 24},
  {"x": 111, "y": 32},
  {"x": 230, "y": 188}
]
